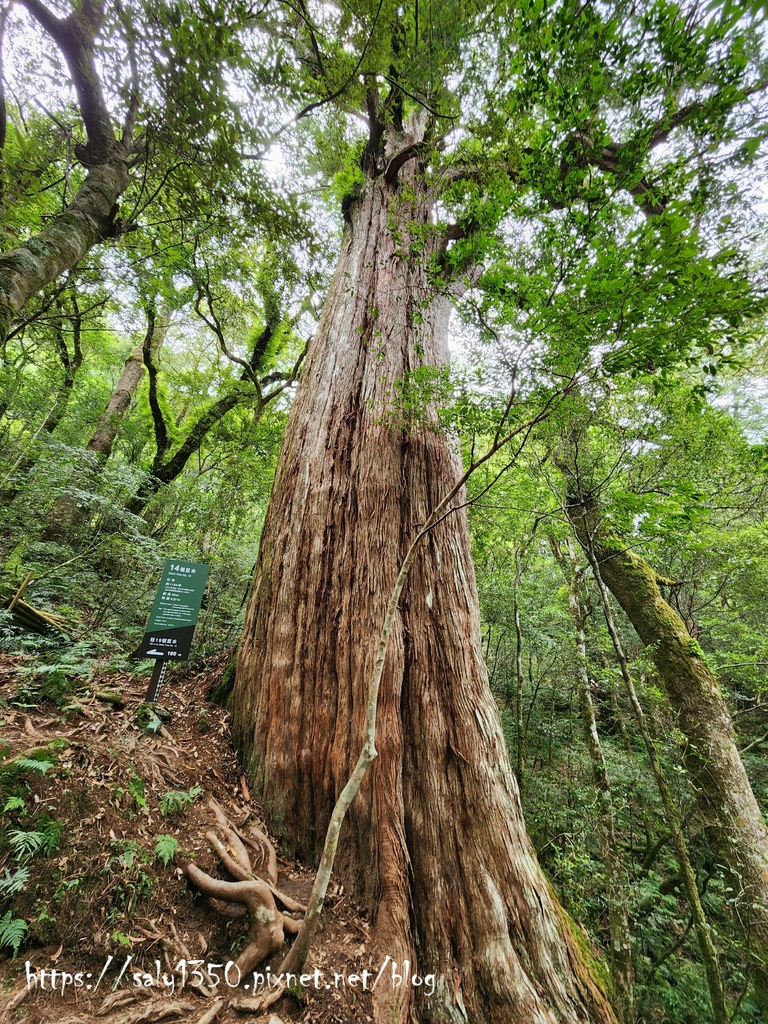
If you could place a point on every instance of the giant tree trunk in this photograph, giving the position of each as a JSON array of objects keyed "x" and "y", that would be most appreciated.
[
  {"x": 435, "y": 842},
  {"x": 724, "y": 793}
]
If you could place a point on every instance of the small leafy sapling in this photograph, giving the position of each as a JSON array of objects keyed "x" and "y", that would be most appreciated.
[
  {"x": 176, "y": 800},
  {"x": 165, "y": 849}
]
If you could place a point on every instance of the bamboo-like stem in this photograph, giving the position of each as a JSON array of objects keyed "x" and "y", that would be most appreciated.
[{"x": 20, "y": 591}]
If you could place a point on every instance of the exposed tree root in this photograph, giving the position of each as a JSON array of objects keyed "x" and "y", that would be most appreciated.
[
  {"x": 249, "y": 895},
  {"x": 253, "y": 1004},
  {"x": 266, "y": 933},
  {"x": 123, "y": 1008},
  {"x": 155, "y": 1010},
  {"x": 266, "y": 862},
  {"x": 268, "y": 925},
  {"x": 212, "y": 1013},
  {"x": 118, "y": 1000},
  {"x": 15, "y": 999}
]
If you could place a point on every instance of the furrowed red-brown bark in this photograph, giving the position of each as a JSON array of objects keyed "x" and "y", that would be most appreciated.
[
  {"x": 435, "y": 842},
  {"x": 727, "y": 803}
]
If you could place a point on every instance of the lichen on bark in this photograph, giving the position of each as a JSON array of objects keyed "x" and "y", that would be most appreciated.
[
  {"x": 65, "y": 240},
  {"x": 726, "y": 801}
]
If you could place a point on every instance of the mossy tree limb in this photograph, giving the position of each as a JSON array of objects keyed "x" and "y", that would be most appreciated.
[{"x": 724, "y": 794}]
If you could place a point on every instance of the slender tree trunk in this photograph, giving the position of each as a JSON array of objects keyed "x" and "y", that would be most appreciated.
[
  {"x": 165, "y": 467},
  {"x": 435, "y": 842},
  {"x": 519, "y": 718},
  {"x": 71, "y": 363},
  {"x": 671, "y": 813},
  {"x": 615, "y": 876},
  {"x": 724, "y": 793},
  {"x": 66, "y": 513},
  {"x": 124, "y": 392},
  {"x": 165, "y": 471}
]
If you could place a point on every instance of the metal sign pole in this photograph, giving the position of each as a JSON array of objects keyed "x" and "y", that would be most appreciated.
[{"x": 158, "y": 675}]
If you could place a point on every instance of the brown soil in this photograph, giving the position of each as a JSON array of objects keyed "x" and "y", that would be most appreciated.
[{"x": 103, "y": 892}]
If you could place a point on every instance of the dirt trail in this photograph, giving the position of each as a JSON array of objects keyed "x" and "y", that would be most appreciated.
[{"x": 91, "y": 805}]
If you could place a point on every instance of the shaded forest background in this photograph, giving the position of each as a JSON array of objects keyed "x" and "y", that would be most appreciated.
[{"x": 144, "y": 389}]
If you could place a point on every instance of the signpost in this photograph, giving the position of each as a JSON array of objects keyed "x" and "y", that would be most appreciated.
[{"x": 172, "y": 621}]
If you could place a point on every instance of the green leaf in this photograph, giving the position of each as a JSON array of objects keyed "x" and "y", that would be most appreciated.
[
  {"x": 13, "y": 883},
  {"x": 175, "y": 800},
  {"x": 25, "y": 844},
  {"x": 12, "y": 932},
  {"x": 165, "y": 849},
  {"x": 30, "y": 764},
  {"x": 136, "y": 789}
]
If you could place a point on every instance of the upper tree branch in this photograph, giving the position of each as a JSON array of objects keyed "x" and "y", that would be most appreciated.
[
  {"x": 343, "y": 88},
  {"x": 212, "y": 321},
  {"x": 287, "y": 378},
  {"x": 304, "y": 15},
  {"x": 582, "y": 151},
  {"x": 164, "y": 470},
  {"x": 455, "y": 173},
  {"x": 129, "y": 123},
  {"x": 407, "y": 153},
  {"x": 664, "y": 126},
  {"x": 75, "y": 37},
  {"x": 398, "y": 86}
]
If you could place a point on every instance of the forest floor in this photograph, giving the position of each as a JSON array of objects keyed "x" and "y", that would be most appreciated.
[{"x": 93, "y": 888}]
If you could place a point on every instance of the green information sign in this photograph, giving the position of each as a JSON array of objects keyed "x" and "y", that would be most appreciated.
[{"x": 174, "y": 613}]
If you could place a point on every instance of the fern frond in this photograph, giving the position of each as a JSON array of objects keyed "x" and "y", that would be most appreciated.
[
  {"x": 25, "y": 844},
  {"x": 13, "y": 883},
  {"x": 165, "y": 849},
  {"x": 30, "y": 764},
  {"x": 12, "y": 931}
]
